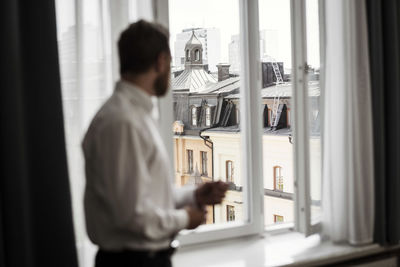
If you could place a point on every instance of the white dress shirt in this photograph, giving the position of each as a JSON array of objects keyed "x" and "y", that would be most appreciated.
[{"x": 130, "y": 202}]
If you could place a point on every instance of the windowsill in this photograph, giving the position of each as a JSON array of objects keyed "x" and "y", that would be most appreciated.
[{"x": 289, "y": 249}]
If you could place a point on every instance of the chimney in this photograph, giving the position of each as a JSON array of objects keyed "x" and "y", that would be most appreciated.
[{"x": 223, "y": 71}]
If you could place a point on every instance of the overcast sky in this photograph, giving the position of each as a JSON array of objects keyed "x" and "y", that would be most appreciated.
[{"x": 222, "y": 14}]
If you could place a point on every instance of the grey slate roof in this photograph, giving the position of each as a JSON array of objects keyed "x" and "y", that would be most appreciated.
[
  {"x": 221, "y": 87},
  {"x": 284, "y": 90},
  {"x": 191, "y": 79}
]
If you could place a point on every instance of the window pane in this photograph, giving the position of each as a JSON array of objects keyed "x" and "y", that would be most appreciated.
[
  {"x": 205, "y": 87},
  {"x": 313, "y": 59},
  {"x": 230, "y": 213},
  {"x": 276, "y": 92}
]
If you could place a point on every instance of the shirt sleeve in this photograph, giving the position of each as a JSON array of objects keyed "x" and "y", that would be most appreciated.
[
  {"x": 126, "y": 184},
  {"x": 184, "y": 196}
]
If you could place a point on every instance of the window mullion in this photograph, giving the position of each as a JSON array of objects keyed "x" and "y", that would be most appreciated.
[{"x": 300, "y": 114}]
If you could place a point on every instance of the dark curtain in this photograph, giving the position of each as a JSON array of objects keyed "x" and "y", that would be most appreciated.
[
  {"x": 35, "y": 206},
  {"x": 384, "y": 45}
]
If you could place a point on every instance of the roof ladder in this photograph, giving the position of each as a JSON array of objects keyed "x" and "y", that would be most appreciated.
[
  {"x": 277, "y": 72},
  {"x": 275, "y": 107}
]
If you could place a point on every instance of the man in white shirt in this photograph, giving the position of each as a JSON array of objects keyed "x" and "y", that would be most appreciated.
[{"x": 132, "y": 210}]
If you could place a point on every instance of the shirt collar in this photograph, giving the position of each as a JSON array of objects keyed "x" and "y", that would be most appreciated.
[{"x": 136, "y": 95}]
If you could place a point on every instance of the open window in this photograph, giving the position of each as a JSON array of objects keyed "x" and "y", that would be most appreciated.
[
  {"x": 267, "y": 56},
  {"x": 283, "y": 34},
  {"x": 209, "y": 115}
]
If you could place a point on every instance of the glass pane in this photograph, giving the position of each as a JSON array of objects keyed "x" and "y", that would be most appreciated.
[
  {"x": 313, "y": 59},
  {"x": 205, "y": 86},
  {"x": 276, "y": 92}
]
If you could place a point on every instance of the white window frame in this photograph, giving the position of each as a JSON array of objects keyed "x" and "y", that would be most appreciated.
[
  {"x": 251, "y": 137},
  {"x": 300, "y": 123}
]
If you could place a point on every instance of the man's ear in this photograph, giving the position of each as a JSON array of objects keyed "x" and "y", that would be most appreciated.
[{"x": 163, "y": 62}]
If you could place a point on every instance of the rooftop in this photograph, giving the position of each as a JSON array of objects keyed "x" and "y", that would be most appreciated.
[
  {"x": 224, "y": 86},
  {"x": 192, "y": 80},
  {"x": 284, "y": 90}
]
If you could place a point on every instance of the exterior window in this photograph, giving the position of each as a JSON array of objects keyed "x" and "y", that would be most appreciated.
[
  {"x": 197, "y": 55},
  {"x": 229, "y": 171},
  {"x": 278, "y": 179},
  {"x": 190, "y": 160},
  {"x": 230, "y": 213},
  {"x": 270, "y": 116},
  {"x": 278, "y": 218},
  {"x": 265, "y": 116},
  {"x": 194, "y": 116},
  {"x": 187, "y": 55},
  {"x": 203, "y": 155},
  {"x": 208, "y": 116},
  {"x": 237, "y": 116}
]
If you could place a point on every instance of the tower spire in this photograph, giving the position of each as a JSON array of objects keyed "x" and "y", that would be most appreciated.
[{"x": 193, "y": 52}]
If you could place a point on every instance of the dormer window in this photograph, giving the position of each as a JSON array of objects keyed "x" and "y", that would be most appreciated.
[
  {"x": 194, "y": 116},
  {"x": 208, "y": 116},
  {"x": 197, "y": 55}
]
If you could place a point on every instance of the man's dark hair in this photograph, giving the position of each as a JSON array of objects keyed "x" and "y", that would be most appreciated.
[{"x": 140, "y": 45}]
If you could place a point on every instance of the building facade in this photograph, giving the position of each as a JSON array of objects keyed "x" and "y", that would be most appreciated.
[{"x": 207, "y": 140}]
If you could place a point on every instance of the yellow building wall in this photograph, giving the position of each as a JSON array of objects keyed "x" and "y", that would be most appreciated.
[
  {"x": 235, "y": 199},
  {"x": 227, "y": 147},
  {"x": 181, "y": 145},
  {"x": 277, "y": 151},
  {"x": 182, "y": 175}
]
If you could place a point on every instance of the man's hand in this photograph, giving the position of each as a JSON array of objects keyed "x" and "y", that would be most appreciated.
[
  {"x": 211, "y": 193},
  {"x": 196, "y": 217}
]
